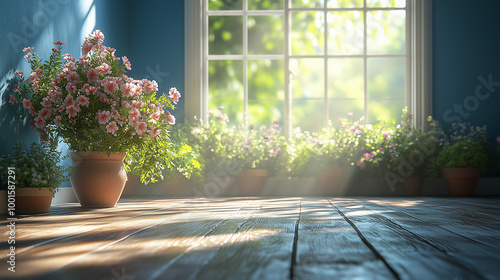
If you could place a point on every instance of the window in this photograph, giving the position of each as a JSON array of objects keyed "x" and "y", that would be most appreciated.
[{"x": 305, "y": 62}]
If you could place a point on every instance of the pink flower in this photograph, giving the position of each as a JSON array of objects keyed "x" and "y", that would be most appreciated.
[
  {"x": 73, "y": 77},
  {"x": 26, "y": 103},
  {"x": 154, "y": 132},
  {"x": 12, "y": 100},
  {"x": 83, "y": 100},
  {"x": 386, "y": 135},
  {"x": 149, "y": 86},
  {"x": 349, "y": 114},
  {"x": 59, "y": 43},
  {"x": 103, "y": 117},
  {"x": 44, "y": 114},
  {"x": 32, "y": 111},
  {"x": 126, "y": 62},
  {"x": 112, "y": 128},
  {"x": 221, "y": 108},
  {"x": 16, "y": 88},
  {"x": 28, "y": 55},
  {"x": 19, "y": 73},
  {"x": 104, "y": 68},
  {"x": 39, "y": 122},
  {"x": 70, "y": 87},
  {"x": 93, "y": 75},
  {"x": 72, "y": 110},
  {"x": 86, "y": 48},
  {"x": 28, "y": 49},
  {"x": 97, "y": 35},
  {"x": 392, "y": 145},
  {"x": 45, "y": 102},
  {"x": 57, "y": 120},
  {"x": 154, "y": 117},
  {"x": 174, "y": 95},
  {"x": 171, "y": 119},
  {"x": 141, "y": 127},
  {"x": 68, "y": 100},
  {"x": 134, "y": 113},
  {"x": 55, "y": 50},
  {"x": 382, "y": 149},
  {"x": 110, "y": 86},
  {"x": 128, "y": 89}
]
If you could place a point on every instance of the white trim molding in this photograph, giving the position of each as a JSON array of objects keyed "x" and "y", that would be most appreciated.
[
  {"x": 193, "y": 70},
  {"x": 421, "y": 60}
]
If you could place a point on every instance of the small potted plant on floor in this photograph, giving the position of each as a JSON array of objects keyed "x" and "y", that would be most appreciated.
[
  {"x": 101, "y": 113},
  {"x": 336, "y": 150},
  {"x": 465, "y": 157},
  {"x": 256, "y": 153},
  {"x": 36, "y": 176}
]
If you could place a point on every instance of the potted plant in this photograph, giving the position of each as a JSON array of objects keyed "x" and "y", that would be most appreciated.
[
  {"x": 464, "y": 158},
  {"x": 102, "y": 114},
  {"x": 256, "y": 153},
  {"x": 215, "y": 142},
  {"x": 336, "y": 151},
  {"x": 36, "y": 176}
]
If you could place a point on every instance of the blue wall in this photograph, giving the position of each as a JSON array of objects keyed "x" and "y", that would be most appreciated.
[{"x": 466, "y": 45}]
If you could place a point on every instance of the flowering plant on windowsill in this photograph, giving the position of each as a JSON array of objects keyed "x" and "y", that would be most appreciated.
[{"x": 93, "y": 106}]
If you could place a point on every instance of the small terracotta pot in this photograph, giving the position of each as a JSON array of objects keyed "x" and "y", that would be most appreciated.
[
  {"x": 335, "y": 179},
  {"x": 461, "y": 181},
  {"x": 98, "y": 180},
  {"x": 251, "y": 181},
  {"x": 33, "y": 201},
  {"x": 413, "y": 185}
]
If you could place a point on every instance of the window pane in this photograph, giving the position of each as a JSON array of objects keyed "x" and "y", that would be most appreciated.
[
  {"x": 226, "y": 87},
  {"x": 345, "y": 4},
  {"x": 265, "y": 35},
  {"x": 225, "y": 35},
  {"x": 265, "y": 112},
  {"x": 225, "y": 5},
  {"x": 386, "y": 77},
  {"x": 386, "y": 3},
  {"x": 346, "y": 78},
  {"x": 385, "y": 109},
  {"x": 308, "y": 114},
  {"x": 265, "y": 4},
  {"x": 308, "y": 77},
  {"x": 266, "y": 79},
  {"x": 386, "y": 32},
  {"x": 345, "y": 33},
  {"x": 307, "y": 3},
  {"x": 339, "y": 108},
  {"x": 308, "y": 33}
]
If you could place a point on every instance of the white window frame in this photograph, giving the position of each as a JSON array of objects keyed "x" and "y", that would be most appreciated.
[{"x": 419, "y": 61}]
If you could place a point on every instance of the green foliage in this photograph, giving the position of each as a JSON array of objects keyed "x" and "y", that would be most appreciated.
[
  {"x": 36, "y": 166},
  {"x": 186, "y": 163},
  {"x": 466, "y": 146}
]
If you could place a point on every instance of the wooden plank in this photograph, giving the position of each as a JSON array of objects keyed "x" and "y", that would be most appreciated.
[
  {"x": 261, "y": 248},
  {"x": 329, "y": 248},
  {"x": 33, "y": 231},
  {"x": 53, "y": 256},
  {"x": 475, "y": 226},
  {"x": 409, "y": 254},
  {"x": 477, "y": 258},
  {"x": 148, "y": 248}
]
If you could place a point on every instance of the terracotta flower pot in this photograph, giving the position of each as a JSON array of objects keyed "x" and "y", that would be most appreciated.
[
  {"x": 98, "y": 180},
  {"x": 461, "y": 181},
  {"x": 251, "y": 181},
  {"x": 335, "y": 179},
  {"x": 413, "y": 185},
  {"x": 33, "y": 201}
]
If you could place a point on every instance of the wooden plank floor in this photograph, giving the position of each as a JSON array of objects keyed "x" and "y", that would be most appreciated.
[{"x": 261, "y": 238}]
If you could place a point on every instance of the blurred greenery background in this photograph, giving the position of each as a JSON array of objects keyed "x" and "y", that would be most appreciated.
[{"x": 344, "y": 34}]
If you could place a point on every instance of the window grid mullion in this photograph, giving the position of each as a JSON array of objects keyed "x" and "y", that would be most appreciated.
[
  {"x": 325, "y": 64},
  {"x": 365, "y": 60},
  {"x": 205, "y": 82},
  {"x": 245, "y": 64},
  {"x": 287, "y": 51}
]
